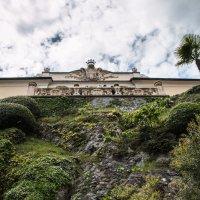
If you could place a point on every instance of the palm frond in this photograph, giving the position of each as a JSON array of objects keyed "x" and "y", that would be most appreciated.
[
  {"x": 184, "y": 51},
  {"x": 183, "y": 62},
  {"x": 188, "y": 50}
]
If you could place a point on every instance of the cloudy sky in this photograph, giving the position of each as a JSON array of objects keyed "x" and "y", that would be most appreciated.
[{"x": 118, "y": 34}]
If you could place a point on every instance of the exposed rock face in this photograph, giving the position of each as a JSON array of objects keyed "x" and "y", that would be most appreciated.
[
  {"x": 125, "y": 104},
  {"x": 104, "y": 163}
]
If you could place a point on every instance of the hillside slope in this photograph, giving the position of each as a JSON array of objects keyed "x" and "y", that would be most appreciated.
[{"x": 99, "y": 148}]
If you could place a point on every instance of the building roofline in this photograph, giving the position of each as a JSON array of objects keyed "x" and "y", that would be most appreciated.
[
  {"x": 77, "y": 81},
  {"x": 78, "y": 70},
  {"x": 26, "y": 78},
  {"x": 134, "y": 78},
  {"x": 128, "y": 80},
  {"x": 164, "y": 79}
]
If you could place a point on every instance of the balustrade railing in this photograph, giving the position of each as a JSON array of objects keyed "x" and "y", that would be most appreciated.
[{"x": 78, "y": 91}]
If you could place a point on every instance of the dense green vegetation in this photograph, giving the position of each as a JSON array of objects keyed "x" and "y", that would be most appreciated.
[
  {"x": 150, "y": 190},
  {"x": 16, "y": 115},
  {"x": 37, "y": 177},
  {"x": 28, "y": 102},
  {"x": 60, "y": 106},
  {"x": 34, "y": 169},
  {"x": 187, "y": 160},
  {"x": 39, "y": 157}
]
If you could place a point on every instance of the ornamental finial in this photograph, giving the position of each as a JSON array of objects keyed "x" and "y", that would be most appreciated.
[{"x": 91, "y": 63}]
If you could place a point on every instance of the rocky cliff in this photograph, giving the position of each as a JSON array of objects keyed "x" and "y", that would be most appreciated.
[{"x": 94, "y": 148}]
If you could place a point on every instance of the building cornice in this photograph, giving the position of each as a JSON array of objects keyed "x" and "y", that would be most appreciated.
[
  {"x": 78, "y": 70},
  {"x": 164, "y": 79},
  {"x": 27, "y": 78},
  {"x": 132, "y": 79}
]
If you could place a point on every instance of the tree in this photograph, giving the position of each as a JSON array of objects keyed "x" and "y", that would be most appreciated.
[{"x": 189, "y": 50}]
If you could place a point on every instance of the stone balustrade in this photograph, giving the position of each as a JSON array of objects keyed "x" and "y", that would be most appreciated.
[{"x": 78, "y": 91}]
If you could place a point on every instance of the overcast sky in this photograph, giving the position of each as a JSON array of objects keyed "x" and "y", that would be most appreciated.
[{"x": 118, "y": 34}]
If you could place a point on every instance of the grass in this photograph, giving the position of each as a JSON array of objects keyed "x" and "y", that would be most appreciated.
[
  {"x": 148, "y": 166},
  {"x": 56, "y": 119},
  {"x": 40, "y": 147}
]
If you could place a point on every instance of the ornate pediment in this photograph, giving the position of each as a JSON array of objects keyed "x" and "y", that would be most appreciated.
[{"x": 91, "y": 73}]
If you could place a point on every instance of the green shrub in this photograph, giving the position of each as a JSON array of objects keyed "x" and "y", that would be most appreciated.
[
  {"x": 147, "y": 115},
  {"x": 194, "y": 90},
  {"x": 180, "y": 116},
  {"x": 6, "y": 152},
  {"x": 128, "y": 120},
  {"x": 15, "y": 135},
  {"x": 25, "y": 190},
  {"x": 15, "y": 115},
  {"x": 149, "y": 191},
  {"x": 192, "y": 95},
  {"x": 28, "y": 102},
  {"x": 162, "y": 138},
  {"x": 43, "y": 177},
  {"x": 159, "y": 141},
  {"x": 130, "y": 137},
  {"x": 195, "y": 98},
  {"x": 186, "y": 160},
  {"x": 165, "y": 102}
]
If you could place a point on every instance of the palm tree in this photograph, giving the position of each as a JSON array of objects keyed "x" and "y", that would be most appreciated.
[{"x": 189, "y": 50}]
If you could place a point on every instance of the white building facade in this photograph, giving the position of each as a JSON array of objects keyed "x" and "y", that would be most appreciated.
[{"x": 93, "y": 81}]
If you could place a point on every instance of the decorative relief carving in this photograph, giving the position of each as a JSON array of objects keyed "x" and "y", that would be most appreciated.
[
  {"x": 91, "y": 73},
  {"x": 158, "y": 83},
  {"x": 33, "y": 84},
  {"x": 96, "y": 91}
]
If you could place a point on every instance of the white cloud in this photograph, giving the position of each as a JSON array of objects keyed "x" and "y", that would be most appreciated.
[{"x": 117, "y": 34}]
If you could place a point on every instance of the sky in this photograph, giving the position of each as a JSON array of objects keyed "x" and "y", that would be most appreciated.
[{"x": 118, "y": 34}]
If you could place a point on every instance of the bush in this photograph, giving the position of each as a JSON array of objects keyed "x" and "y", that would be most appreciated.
[
  {"x": 6, "y": 152},
  {"x": 153, "y": 140},
  {"x": 15, "y": 135},
  {"x": 147, "y": 115},
  {"x": 15, "y": 115},
  {"x": 180, "y": 116},
  {"x": 151, "y": 190},
  {"x": 160, "y": 141},
  {"x": 25, "y": 190},
  {"x": 194, "y": 90},
  {"x": 28, "y": 102},
  {"x": 186, "y": 160},
  {"x": 37, "y": 178}
]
